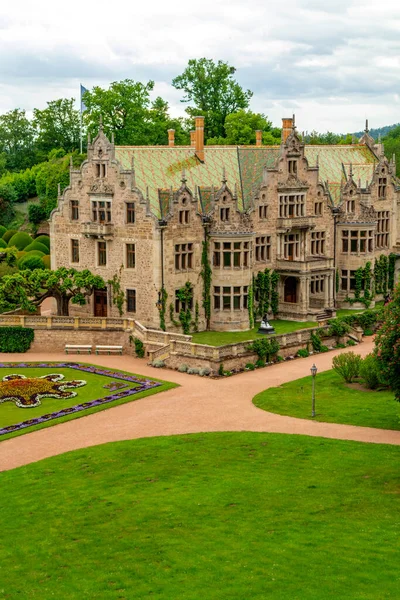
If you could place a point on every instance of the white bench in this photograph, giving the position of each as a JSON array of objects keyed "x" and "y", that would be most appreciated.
[
  {"x": 109, "y": 349},
  {"x": 69, "y": 348}
]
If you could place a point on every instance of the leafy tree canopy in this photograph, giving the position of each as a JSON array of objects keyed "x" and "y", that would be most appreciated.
[
  {"x": 57, "y": 126},
  {"x": 387, "y": 344},
  {"x": 241, "y": 126},
  {"x": 16, "y": 141},
  {"x": 214, "y": 93}
]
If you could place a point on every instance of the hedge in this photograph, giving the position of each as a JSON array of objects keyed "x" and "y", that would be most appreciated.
[
  {"x": 2, "y": 230},
  {"x": 35, "y": 245},
  {"x": 16, "y": 339},
  {"x": 8, "y": 235},
  {"x": 43, "y": 239},
  {"x": 3, "y": 244},
  {"x": 20, "y": 240}
]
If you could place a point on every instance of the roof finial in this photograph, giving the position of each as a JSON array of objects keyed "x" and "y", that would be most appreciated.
[
  {"x": 351, "y": 171},
  {"x": 183, "y": 177},
  {"x": 59, "y": 189},
  {"x": 359, "y": 183},
  {"x": 235, "y": 192},
  {"x": 112, "y": 138},
  {"x": 294, "y": 121},
  {"x": 223, "y": 176},
  {"x": 70, "y": 161},
  {"x": 318, "y": 160},
  {"x": 88, "y": 138},
  {"x": 264, "y": 175},
  {"x": 366, "y": 126}
]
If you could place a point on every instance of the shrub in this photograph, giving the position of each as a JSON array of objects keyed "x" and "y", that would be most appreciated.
[
  {"x": 250, "y": 367},
  {"x": 37, "y": 246},
  {"x": 20, "y": 240},
  {"x": 2, "y": 230},
  {"x": 316, "y": 342},
  {"x": 221, "y": 369},
  {"x": 368, "y": 332},
  {"x": 46, "y": 261},
  {"x": 338, "y": 345},
  {"x": 3, "y": 244},
  {"x": 324, "y": 348},
  {"x": 370, "y": 372},
  {"x": 367, "y": 319},
  {"x": 36, "y": 214},
  {"x": 43, "y": 239},
  {"x": 158, "y": 364},
  {"x": 279, "y": 358},
  {"x": 9, "y": 234},
  {"x": 260, "y": 363},
  {"x": 16, "y": 339},
  {"x": 31, "y": 263},
  {"x": 338, "y": 327},
  {"x": 303, "y": 353},
  {"x": 193, "y": 371},
  {"x": 351, "y": 343},
  {"x": 182, "y": 368},
  {"x": 347, "y": 365},
  {"x": 25, "y": 255},
  {"x": 139, "y": 347},
  {"x": 205, "y": 372},
  {"x": 264, "y": 348}
]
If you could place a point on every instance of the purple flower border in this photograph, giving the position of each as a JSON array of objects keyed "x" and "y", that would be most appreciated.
[{"x": 143, "y": 385}]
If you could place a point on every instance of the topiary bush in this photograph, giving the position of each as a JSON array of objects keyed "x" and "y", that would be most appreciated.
[
  {"x": 347, "y": 365},
  {"x": 46, "y": 261},
  {"x": 370, "y": 372},
  {"x": 2, "y": 230},
  {"x": 3, "y": 244},
  {"x": 9, "y": 234},
  {"x": 43, "y": 239},
  {"x": 31, "y": 263},
  {"x": 37, "y": 246},
  {"x": 20, "y": 240},
  {"x": 139, "y": 347},
  {"x": 16, "y": 339}
]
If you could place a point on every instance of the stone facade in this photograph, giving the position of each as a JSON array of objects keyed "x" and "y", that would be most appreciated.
[{"x": 314, "y": 214}]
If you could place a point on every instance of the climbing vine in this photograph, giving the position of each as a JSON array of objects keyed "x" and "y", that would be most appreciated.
[
  {"x": 337, "y": 280},
  {"x": 185, "y": 297},
  {"x": 206, "y": 274},
  {"x": 363, "y": 277},
  {"x": 391, "y": 269},
  {"x": 163, "y": 305},
  {"x": 381, "y": 274},
  {"x": 265, "y": 291},
  {"x": 250, "y": 306},
  {"x": 118, "y": 294},
  {"x": 196, "y": 318},
  {"x": 274, "y": 292}
]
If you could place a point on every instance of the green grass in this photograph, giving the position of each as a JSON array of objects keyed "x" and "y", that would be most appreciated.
[
  {"x": 11, "y": 414},
  {"x": 220, "y": 338},
  {"x": 344, "y": 312},
  {"x": 335, "y": 402},
  {"x": 238, "y": 516}
]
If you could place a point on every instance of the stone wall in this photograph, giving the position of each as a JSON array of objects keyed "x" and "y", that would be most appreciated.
[{"x": 54, "y": 340}]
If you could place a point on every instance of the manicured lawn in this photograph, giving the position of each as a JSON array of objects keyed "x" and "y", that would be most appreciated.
[
  {"x": 11, "y": 414},
  {"x": 239, "y": 516},
  {"x": 335, "y": 402},
  {"x": 344, "y": 312},
  {"x": 220, "y": 338}
]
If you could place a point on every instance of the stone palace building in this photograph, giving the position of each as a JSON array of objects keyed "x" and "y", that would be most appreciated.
[{"x": 313, "y": 214}]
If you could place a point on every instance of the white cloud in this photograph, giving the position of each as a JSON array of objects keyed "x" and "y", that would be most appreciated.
[{"x": 333, "y": 62}]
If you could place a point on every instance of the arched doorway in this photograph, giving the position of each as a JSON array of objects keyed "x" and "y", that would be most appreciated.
[{"x": 290, "y": 290}]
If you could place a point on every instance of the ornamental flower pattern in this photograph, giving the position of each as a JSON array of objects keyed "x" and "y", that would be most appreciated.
[{"x": 26, "y": 392}]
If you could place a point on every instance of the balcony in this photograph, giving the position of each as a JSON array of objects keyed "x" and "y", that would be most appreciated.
[
  {"x": 98, "y": 230},
  {"x": 285, "y": 224},
  {"x": 311, "y": 263}
]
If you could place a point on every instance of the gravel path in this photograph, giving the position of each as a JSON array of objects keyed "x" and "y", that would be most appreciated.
[{"x": 199, "y": 405}]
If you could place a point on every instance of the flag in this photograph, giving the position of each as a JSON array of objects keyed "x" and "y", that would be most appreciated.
[{"x": 83, "y": 105}]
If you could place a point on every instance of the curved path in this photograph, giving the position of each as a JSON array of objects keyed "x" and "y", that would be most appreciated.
[{"x": 199, "y": 405}]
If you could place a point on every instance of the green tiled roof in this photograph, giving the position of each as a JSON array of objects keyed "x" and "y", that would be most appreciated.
[{"x": 159, "y": 168}]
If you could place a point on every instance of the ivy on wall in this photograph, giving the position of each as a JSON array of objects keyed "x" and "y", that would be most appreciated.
[
  {"x": 265, "y": 292},
  {"x": 250, "y": 305},
  {"x": 185, "y": 297},
  {"x": 163, "y": 307},
  {"x": 362, "y": 292},
  {"x": 118, "y": 294},
  {"x": 206, "y": 275}
]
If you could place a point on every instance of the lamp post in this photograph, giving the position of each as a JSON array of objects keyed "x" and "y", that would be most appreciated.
[{"x": 313, "y": 373}]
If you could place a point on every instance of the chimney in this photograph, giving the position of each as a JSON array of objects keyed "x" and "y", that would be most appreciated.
[
  {"x": 287, "y": 125},
  {"x": 259, "y": 137},
  {"x": 199, "y": 138},
  {"x": 193, "y": 138},
  {"x": 171, "y": 137}
]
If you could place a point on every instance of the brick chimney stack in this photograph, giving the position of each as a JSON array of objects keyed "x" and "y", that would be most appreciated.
[
  {"x": 193, "y": 138},
  {"x": 287, "y": 125},
  {"x": 171, "y": 137},
  {"x": 259, "y": 137},
  {"x": 199, "y": 137}
]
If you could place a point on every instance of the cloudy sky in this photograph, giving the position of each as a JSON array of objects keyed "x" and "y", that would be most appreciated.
[{"x": 332, "y": 62}]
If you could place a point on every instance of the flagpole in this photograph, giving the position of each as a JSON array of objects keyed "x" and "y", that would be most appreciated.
[{"x": 80, "y": 132}]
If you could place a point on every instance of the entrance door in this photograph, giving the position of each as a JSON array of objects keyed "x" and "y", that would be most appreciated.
[
  {"x": 290, "y": 290},
  {"x": 100, "y": 303}
]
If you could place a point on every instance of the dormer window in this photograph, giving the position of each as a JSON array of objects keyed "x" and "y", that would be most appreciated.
[
  {"x": 350, "y": 206},
  {"x": 224, "y": 214},
  {"x": 292, "y": 167},
  {"x": 100, "y": 169},
  {"x": 382, "y": 182}
]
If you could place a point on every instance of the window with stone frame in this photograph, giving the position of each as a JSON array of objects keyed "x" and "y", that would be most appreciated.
[
  {"x": 75, "y": 251},
  {"x": 131, "y": 301},
  {"x": 351, "y": 206},
  {"x": 100, "y": 170},
  {"x": 357, "y": 241},
  {"x": 318, "y": 239},
  {"x": 382, "y": 229},
  {"x": 130, "y": 256},
  {"x": 263, "y": 212},
  {"x": 74, "y": 210},
  {"x": 130, "y": 212},
  {"x": 101, "y": 211},
  {"x": 230, "y": 255},
  {"x": 181, "y": 304},
  {"x": 263, "y": 248},
  {"x": 347, "y": 280},
  {"x": 317, "y": 284},
  {"x": 382, "y": 184},
  {"x": 292, "y": 166},
  {"x": 292, "y": 205},
  {"x": 184, "y": 217},
  {"x": 291, "y": 246},
  {"x": 224, "y": 213},
  {"x": 230, "y": 298},
  {"x": 102, "y": 254},
  {"x": 184, "y": 257},
  {"x": 318, "y": 208}
]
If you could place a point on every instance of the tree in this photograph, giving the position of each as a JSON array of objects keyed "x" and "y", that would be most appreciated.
[
  {"x": 387, "y": 344},
  {"x": 214, "y": 92},
  {"x": 241, "y": 127},
  {"x": 27, "y": 289},
  {"x": 124, "y": 109},
  {"x": 57, "y": 126},
  {"x": 392, "y": 146},
  {"x": 159, "y": 122},
  {"x": 7, "y": 198},
  {"x": 17, "y": 140}
]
